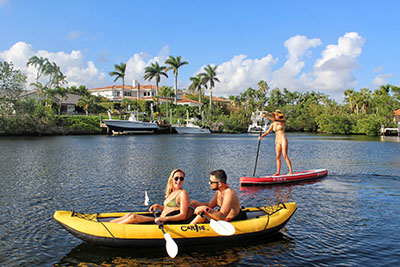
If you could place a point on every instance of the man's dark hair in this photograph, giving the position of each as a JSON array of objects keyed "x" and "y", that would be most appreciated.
[{"x": 220, "y": 175}]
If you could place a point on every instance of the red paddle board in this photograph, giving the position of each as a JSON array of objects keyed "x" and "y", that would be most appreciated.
[{"x": 284, "y": 178}]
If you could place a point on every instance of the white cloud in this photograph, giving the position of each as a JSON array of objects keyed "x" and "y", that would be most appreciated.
[
  {"x": 239, "y": 73},
  {"x": 72, "y": 65},
  {"x": 333, "y": 72},
  {"x": 287, "y": 76},
  {"x": 139, "y": 61},
  {"x": 379, "y": 80}
]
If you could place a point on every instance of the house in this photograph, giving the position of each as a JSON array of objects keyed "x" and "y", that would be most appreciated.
[
  {"x": 68, "y": 103},
  {"x": 133, "y": 92},
  {"x": 396, "y": 116},
  {"x": 145, "y": 92}
]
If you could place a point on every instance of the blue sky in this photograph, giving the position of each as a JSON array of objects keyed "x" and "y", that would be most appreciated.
[{"x": 326, "y": 46}]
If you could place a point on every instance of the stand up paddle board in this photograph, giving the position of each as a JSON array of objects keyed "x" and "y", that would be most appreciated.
[{"x": 284, "y": 178}]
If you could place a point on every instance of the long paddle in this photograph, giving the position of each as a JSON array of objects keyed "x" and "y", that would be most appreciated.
[
  {"x": 220, "y": 227},
  {"x": 258, "y": 149},
  {"x": 170, "y": 245}
]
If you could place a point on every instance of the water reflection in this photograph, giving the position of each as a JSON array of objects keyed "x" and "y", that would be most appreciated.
[{"x": 275, "y": 246}]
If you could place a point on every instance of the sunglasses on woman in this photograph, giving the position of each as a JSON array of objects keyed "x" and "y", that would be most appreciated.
[{"x": 179, "y": 178}]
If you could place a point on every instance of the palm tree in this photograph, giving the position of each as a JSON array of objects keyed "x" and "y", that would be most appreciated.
[
  {"x": 197, "y": 84},
  {"x": 154, "y": 72},
  {"x": 62, "y": 93},
  {"x": 167, "y": 92},
  {"x": 56, "y": 77},
  {"x": 263, "y": 86},
  {"x": 119, "y": 73},
  {"x": 365, "y": 98},
  {"x": 175, "y": 64},
  {"x": 40, "y": 63},
  {"x": 350, "y": 94},
  {"x": 210, "y": 76}
]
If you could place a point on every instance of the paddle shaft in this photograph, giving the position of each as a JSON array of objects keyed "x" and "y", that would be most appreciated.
[
  {"x": 258, "y": 149},
  {"x": 170, "y": 244},
  {"x": 159, "y": 224}
]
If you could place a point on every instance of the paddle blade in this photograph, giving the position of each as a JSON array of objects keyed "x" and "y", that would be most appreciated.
[
  {"x": 171, "y": 246},
  {"x": 146, "y": 199},
  {"x": 222, "y": 227}
]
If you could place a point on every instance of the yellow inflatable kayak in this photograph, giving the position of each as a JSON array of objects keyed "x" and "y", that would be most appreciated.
[{"x": 96, "y": 228}]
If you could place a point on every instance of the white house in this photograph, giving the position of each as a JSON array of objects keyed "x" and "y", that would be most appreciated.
[{"x": 145, "y": 92}]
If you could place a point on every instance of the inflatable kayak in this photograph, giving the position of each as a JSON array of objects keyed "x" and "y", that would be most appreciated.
[
  {"x": 96, "y": 228},
  {"x": 285, "y": 178}
]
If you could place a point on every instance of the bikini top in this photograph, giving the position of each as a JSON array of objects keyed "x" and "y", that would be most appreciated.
[{"x": 172, "y": 203}]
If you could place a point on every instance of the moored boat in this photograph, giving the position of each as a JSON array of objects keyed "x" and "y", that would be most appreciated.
[
  {"x": 132, "y": 125},
  {"x": 258, "y": 124},
  {"x": 96, "y": 228},
  {"x": 284, "y": 178}
]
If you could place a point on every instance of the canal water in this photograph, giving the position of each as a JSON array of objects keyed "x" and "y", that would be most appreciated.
[{"x": 349, "y": 218}]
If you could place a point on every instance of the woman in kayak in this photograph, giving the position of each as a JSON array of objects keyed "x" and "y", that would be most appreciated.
[
  {"x": 176, "y": 203},
  {"x": 281, "y": 143}
]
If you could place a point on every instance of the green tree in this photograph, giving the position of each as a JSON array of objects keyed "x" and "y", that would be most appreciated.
[
  {"x": 40, "y": 63},
  {"x": 167, "y": 92},
  {"x": 12, "y": 82},
  {"x": 210, "y": 77},
  {"x": 154, "y": 72},
  {"x": 119, "y": 73},
  {"x": 61, "y": 92},
  {"x": 197, "y": 84},
  {"x": 349, "y": 97},
  {"x": 56, "y": 77},
  {"x": 175, "y": 64}
]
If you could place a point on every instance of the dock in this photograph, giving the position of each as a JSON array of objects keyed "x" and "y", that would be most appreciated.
[{"x": 389, "y": 131}]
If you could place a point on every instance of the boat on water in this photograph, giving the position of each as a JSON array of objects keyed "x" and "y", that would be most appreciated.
[
  {"x": 132, "y": 125},
  {"x": 258, "y": 123},
  {"x": 97, "y": 228},
  {"x": 284, "y": 178},
  {"x": 190, "y": 127}
]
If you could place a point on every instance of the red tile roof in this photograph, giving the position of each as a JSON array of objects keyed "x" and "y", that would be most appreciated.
[{"x": 144, "y": 86}]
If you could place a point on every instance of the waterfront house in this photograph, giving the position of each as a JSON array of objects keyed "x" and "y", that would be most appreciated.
[
  {"x": 138, "y": 91},
  {"x": 396, "y": 116},
  {"x": 68, "y": 103}
]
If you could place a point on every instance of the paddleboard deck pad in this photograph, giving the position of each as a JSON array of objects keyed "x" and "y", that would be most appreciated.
[{"x": 284, "y": 178}]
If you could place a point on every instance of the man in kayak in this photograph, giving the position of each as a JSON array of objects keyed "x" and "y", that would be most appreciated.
[
  {"x": 281, "y": 143},
  {"x": 224, "y": 197}
]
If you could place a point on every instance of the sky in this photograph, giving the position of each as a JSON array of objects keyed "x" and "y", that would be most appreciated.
[{"x": 324, "y": 46}]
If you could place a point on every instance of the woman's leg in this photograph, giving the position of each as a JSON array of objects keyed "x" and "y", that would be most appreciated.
[
  {"x": 278, "y": 149},
  {"x": 285, "y": 155},
  {"x": 132, "y": 218}
]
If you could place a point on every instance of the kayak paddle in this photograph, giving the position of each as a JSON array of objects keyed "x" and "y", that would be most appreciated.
[
  {"x": 220, "y": 227},
  {"x": 170, "y": 245}
]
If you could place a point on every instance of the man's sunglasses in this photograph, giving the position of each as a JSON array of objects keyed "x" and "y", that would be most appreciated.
[
  {"x": 211, "y": 182},
  {"x": 179, "y": 178}
]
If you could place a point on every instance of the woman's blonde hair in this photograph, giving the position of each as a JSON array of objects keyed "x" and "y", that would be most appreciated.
[{"x": 170, "y": 183}]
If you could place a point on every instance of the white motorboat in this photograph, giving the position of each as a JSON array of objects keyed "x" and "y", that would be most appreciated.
[
  {"x": 132, "y": 125},
  {"x": 191, "y": 127},
  {"x": 258, "y": 123}
]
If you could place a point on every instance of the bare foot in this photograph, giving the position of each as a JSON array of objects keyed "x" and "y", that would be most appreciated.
[
  {"x": 276, "y": 174},
  {"x": 290, "y": 173}
]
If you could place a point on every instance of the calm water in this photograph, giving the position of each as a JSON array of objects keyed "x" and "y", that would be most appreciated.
[{"x": 349, "y": 218}]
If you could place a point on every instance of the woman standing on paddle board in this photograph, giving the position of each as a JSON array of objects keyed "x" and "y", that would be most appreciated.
[{"x": 281, "y": 143}]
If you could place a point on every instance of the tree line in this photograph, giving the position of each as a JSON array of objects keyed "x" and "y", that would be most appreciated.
[{"x": 362, "y": 112}]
